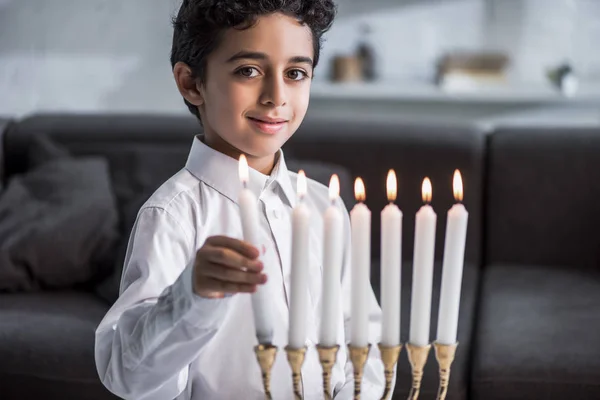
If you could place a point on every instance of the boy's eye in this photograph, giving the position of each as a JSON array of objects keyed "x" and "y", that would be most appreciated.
[
  {"x": 297, "y": 74},
  {"x": 248, "y": 72}
]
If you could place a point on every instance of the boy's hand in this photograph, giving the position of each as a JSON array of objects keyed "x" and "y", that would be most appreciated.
[{"x": 225, "y": 265}]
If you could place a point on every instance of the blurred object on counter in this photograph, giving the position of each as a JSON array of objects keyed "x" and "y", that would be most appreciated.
[
  {"x": 469, "y": 71},
  {"x": 565, "y": 79},
  {"x": 366, "y": 54},
  {"x": 346, "y": 69}
]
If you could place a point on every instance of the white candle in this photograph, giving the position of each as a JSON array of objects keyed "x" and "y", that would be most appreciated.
[
  {"x": 454, "y": 256},
  {"x": 333, "y": 230},
  {"x": 391, "y": 250},
  {"x": 299, "y": 278},
  {"x": 261, "y": 301},
  {"x": 423, "y": 258},
  {"x": 360, "y": 218}
]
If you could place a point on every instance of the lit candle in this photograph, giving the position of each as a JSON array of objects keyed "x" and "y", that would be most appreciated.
[
  {"x": 261, "y": 301},
  {"x": 420, "y": 312},
  {"x": 454, "y": 256},
  {"x": 391, "y": 250},
  {"x": 360, "y": 218},
  {"x": 333, "y": 230},
  {"x": 299, "y": 278}
]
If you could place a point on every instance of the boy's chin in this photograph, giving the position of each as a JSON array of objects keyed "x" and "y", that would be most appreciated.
[
  {"x": 260, "y": 149},
  {"x": 261, "y": 145}
]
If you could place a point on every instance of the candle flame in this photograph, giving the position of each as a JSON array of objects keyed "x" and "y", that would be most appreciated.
[
  {"x": 458, "y": 186},
  {"x": 392, "y": 186},
  {"x": 359, "y": 190},
  {"x": 243, "y": 169},
  {"x": 427, "y": 191},
  {"x": 301, "y": 184},
  {"x": 334, "y": 187}
]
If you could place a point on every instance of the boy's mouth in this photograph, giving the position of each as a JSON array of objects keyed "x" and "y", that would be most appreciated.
[
  {"x": 268, "y": 125},
  {"x": 268, "y": 120}
]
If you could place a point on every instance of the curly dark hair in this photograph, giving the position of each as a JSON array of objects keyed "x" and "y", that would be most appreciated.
[{"x": 199, "y": 24}]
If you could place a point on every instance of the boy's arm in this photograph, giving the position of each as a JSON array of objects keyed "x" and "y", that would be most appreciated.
[
  {"x": 373, "y": 383},
  {"x": 158, "y": 326}
]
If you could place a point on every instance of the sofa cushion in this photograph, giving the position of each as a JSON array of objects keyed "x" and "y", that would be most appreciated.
[
  {"x": 58, "y": 224},
  {"x": 47, "y": 346},
  {"x": 461, "y": 368},
  {"x": 543, "y": 194},
  {"x": 537, "y": 334}
]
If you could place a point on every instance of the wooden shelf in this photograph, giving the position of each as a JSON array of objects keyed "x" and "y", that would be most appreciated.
[{"x": 415, "y": 92}]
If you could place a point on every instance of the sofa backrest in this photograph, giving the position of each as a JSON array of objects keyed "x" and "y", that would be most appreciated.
[
  {"x": 543, "y": 200},
  {"x": 142, "y": 150},
  {"x": 414, "y": 151},
  {"x": 4, "y": 124}
]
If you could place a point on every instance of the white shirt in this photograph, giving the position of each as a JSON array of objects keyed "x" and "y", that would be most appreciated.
[{"x": 161, "y": 341}]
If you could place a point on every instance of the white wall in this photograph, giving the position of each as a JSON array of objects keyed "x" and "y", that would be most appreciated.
[
  {"x": 113, "y": 55},
  {"x": 544, "y": 33},
  {"x": 408, "y": 36},
  {"x": 86, "y": 55}
]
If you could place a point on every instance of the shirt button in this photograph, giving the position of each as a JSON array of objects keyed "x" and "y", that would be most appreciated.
[{"x": 276, "y": 214}]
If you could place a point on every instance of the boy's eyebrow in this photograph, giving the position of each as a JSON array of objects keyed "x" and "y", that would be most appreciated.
[
  {"x": 255, "y": 55},
  {"x": 301, "y": 60}
]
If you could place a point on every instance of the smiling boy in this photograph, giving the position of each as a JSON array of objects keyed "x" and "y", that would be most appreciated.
[{"x": 182, "y": 327}]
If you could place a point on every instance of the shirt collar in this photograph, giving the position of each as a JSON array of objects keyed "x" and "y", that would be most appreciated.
[{"x": 220, "y": 172}]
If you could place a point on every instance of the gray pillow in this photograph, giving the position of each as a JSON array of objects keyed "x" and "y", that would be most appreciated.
[{"x": 58, "y": 223}]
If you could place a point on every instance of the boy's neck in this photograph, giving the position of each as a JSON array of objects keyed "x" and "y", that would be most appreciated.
[{"x": 264, "y": 165}]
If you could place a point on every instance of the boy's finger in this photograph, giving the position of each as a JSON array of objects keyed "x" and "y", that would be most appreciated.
[
  {"x": 227, "y": 287},
  {"x": 231, "y": 275},
  {"x": 231, "y": 259},
  {"x": 244, "y": 248}
]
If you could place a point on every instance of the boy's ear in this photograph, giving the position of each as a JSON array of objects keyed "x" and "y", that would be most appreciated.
[{"x": 188, "y": 85}]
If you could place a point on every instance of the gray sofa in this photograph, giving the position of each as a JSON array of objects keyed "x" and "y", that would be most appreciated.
[{"x": 529, "y": 311}]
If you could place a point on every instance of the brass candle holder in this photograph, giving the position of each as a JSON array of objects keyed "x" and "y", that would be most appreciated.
[
  {"x": 358, "y": 356},
  {"x": 417, "y": 356},
  {"x": 389, "y": 356},
  {"x": 265, "y": 354},
  {"x": 327, "y": 357},
  {"x": 296, "y": 359},
  {"x": 444, "y": 354}
]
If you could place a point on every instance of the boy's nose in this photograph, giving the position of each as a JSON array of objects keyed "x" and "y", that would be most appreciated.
[{"x": 274, "y": 93}]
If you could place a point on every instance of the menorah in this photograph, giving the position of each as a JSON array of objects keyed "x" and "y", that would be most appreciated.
[
  {"x": 360, "y": 223},
  {"x": 417, "y": 356}
]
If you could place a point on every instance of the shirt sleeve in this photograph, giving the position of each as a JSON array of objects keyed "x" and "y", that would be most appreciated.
[
  {"x": 373, "y": 383},
  {"x": 158, "y": 326}
]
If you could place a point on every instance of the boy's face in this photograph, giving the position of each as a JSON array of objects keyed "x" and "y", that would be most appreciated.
[{"x": 257, "y": 85}]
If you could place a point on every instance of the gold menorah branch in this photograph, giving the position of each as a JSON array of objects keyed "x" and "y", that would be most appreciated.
[
  {"x": 265, "y": 354},
  {"x": 327, "y": 357},
  {"x": 358, "y": 356},
  {"x": 417, "y": 355},
  {"x": 296, "y": 359},
  {"x": 444, "y": 354},
  {"x": 389, "y": 356}
]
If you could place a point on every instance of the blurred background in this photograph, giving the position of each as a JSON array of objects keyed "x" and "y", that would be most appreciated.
[
  {"x": 506, "y": 91},
  {"x": 480, "y": 61}
]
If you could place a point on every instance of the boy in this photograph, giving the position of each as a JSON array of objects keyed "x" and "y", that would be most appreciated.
[{"x": 182, "y": 327}]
